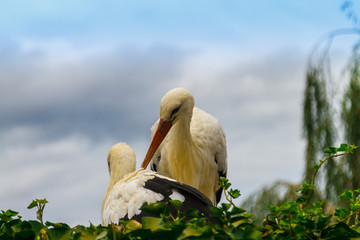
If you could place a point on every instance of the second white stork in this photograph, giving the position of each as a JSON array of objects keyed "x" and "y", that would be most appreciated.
[
  {"x": 188, "y": 144},
  {"x": 128, "y": 190}
]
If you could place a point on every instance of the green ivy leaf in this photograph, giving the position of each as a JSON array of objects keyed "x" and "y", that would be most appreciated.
[
  {"x": 216, "y": 211},
  {"x": 42, "y": 201},
  {"x": 154, "y": 224},
  {"x": 353, "y": 147},
  {"x": 25, "y": 225},
  {"x": 289, "y": 206},
  {"x": 132, "y": 225},
  {"x": 354, "y": 207},
  {"x": 36, "y": 226},
  {"x": 237, "y": 210},
  {"x": 176, "y": 203},
  {"x": 35, "y": 203},
  {"x": 25, "y": 234},
  {"x": 32, "y": 204},
  {"x": 331, "y": 150},
  {"x": 248, "y": 215},
  {"x": 224, "y": 183},
  {"x": 225, "y": 206},
  {"x": 347, "y": 195},
  {"x": 343, "y": 147},
  {"x": 318, "y": 204},
  {"x": 155, "y": 208},
  {"x": 234, "y": 193},
  {"x": 60, "y": 231},
  {"x": 316, "y": 166},
  {"x": 196, "y": 231},
  {"x": 357, "y": 190},
  {"x": 323, "y": 221},
  {"x": 340, "y": 231},
  {"x": 341, "y": 213},
  {"x": 101, "y": 235},
  {"x": 192, "y": 213},
  {"x": 8, "y": 215}
]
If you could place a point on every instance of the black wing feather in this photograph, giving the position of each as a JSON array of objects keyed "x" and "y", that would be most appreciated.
[{"x": 194, "y": 199}]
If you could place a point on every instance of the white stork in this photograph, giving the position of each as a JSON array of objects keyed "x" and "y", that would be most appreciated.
[
  {"x": 128, "y": 189},
  {"x": 188, "y": 144}
]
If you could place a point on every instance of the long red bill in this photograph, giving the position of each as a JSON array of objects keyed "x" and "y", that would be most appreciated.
[{"x": 160, "y": 134}]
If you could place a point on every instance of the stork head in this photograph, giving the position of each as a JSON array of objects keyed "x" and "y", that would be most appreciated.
[
  {"x": 177, "y": 104},
  {"x": 121, "y": 160}
]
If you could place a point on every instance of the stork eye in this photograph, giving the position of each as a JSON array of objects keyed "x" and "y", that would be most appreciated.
[{"x": 174, "y": 111}]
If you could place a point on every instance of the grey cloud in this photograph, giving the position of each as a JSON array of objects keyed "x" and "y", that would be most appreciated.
[{"x": 98, "y": 95}]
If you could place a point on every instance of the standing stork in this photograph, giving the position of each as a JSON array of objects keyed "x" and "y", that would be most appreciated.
[
  {"x": 188, "y": 144},
  {"x": 128, "y": 190}
]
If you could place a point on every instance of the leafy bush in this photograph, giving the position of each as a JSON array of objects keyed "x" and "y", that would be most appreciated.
[{"x": 291, "y": 220}]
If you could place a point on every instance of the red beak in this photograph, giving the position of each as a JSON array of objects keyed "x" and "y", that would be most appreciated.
[{"x": 160, "y": 134}]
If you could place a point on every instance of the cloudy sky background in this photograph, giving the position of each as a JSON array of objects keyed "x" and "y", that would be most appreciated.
[{"x": 77, "y": 77}]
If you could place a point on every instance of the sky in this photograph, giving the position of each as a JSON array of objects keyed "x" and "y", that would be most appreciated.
[{"x": 77, "y": 77}]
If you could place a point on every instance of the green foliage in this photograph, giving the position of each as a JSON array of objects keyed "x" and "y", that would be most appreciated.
[
  {"x": 233, "y": 223},
  {"x": 274, "y": 194},
  {"x": 344, "y": 149},
  {"x": 40, "y": 204},
  {"x": 294, "y": 220},
  {"x": 331, "y": 109},
  {"x": 297, "y": 219}
]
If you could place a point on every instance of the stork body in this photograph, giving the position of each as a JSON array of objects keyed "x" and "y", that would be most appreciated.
[
  {"x": 188, "y": 144},
  {"x": 128, "y": 189}
]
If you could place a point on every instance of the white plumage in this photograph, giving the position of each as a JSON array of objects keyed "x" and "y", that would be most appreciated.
[
  {"x": 127, "y": 196},
  {"x": 188, "y": 144},
  {"x": 128, "y": 189}
]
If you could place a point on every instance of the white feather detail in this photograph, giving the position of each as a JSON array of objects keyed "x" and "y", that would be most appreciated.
[
  {"x": 177, "y": 196},
  {"x": 128, "y": 195}
]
